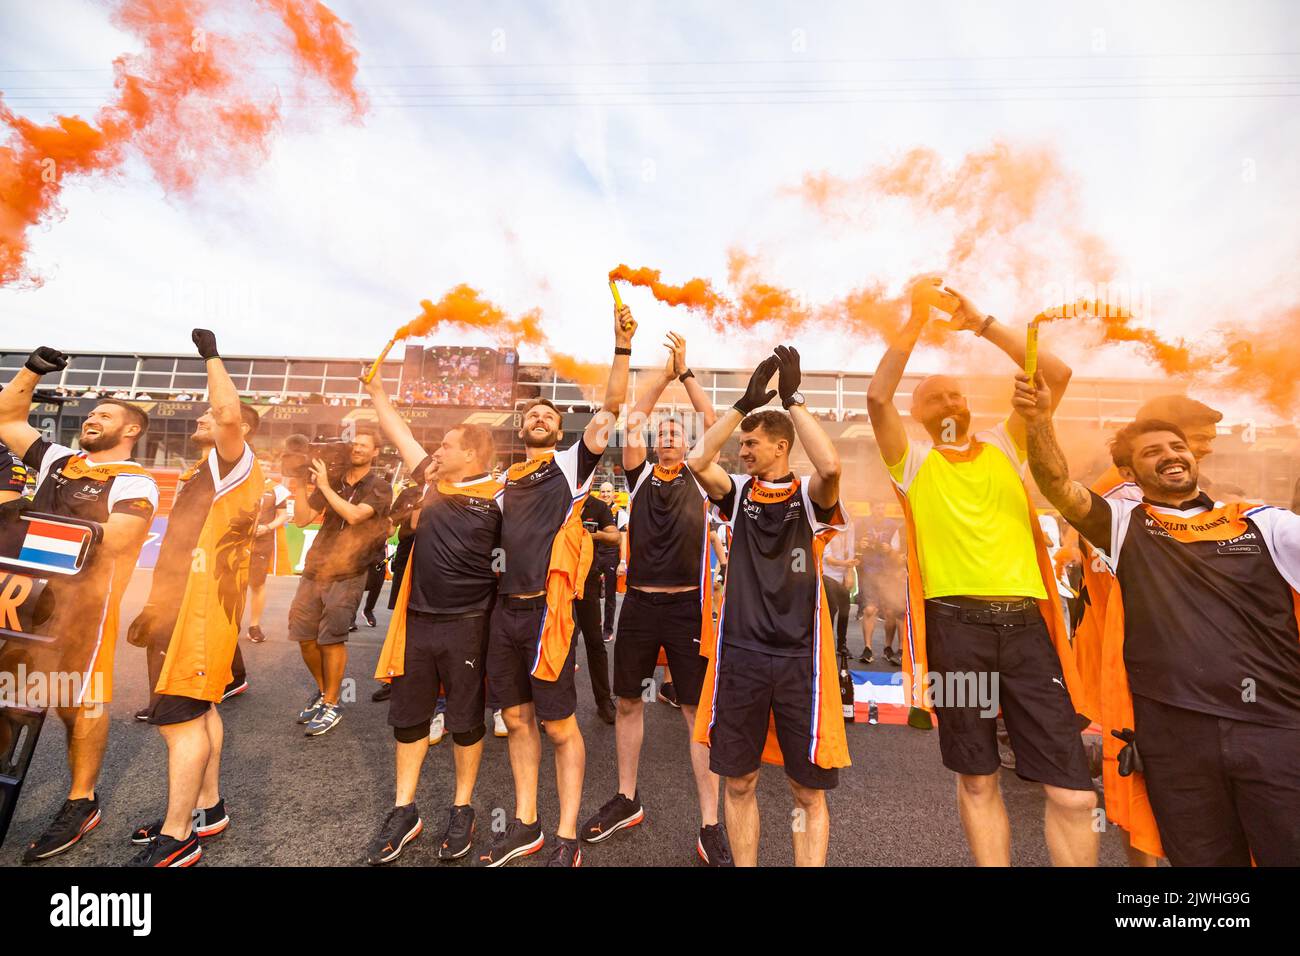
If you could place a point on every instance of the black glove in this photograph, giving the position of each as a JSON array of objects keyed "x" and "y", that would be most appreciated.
[
  {"x": 46, "y": 360},
  {"x": 788, "y": 383},
  {"x": 206, "y": 343},
  {"x": 757, "y": 393}
]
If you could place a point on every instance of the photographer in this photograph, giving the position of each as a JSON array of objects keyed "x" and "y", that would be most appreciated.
[{"x": 354, "y": 505}]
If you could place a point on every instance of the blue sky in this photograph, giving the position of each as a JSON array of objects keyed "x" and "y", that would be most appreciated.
[{"x": 634, "y": 149}]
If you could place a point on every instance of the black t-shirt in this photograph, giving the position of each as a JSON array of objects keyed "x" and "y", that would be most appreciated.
[
  {"x": 62, "y": 489},
  {"x": 597, "y": 512},
  {"x": 194, "y": 495},
  {"x": 343, "y": 550},
  {"x": 1209, "y": 619},
  {"x": 537, "y": 497},
  {"x": 667, "y": 528},
  {"x": 455, "y": 554},
  {"x": 773, "y": 568},
  {"x": 13, "y": 473}
]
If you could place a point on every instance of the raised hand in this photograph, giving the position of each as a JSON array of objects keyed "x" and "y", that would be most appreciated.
[
  {"x": 624, "y": 327},
  {"x": 46, "y": 360},
  {"x": 676, "y": 346},
  {"x": 206, "y": 343},
  {"x": 757, "y": 393},
  {"x": 1033, "y": 402},
  {"x": 788, "y": 365},
  {"x": 968, "y": 316}
]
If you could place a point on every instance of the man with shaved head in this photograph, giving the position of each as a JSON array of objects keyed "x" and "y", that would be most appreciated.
[{"x": 983, "y": 617}]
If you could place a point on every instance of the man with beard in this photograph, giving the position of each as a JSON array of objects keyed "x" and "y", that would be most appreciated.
[
  {"x": 192, "y": 618},
  {"x": 771, "y": 686},
  {"x": 100, "y": 483},
  {"x": 437, "y": 635},
  {"x": 1204, "y": 760},
  {"x": 982, "y": 598},
  {"x": 325, "y": 606},
  {"x": 1197, "y": 421},
  {"x": 668, "y": 602},
  {"x": 13, "y": 475},
  {"x": 530, "y": 661}
]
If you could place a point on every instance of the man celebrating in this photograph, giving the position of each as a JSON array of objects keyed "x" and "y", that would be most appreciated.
[
  {"x": 195, "y": 610},
  {"x": 1203, "y": 760},
  {"x": 982, "y": 598},
  {"x": 773, "y": 653},
  {"x": 1198, "y": 421},
  {"x": 547, "y": 555},
  {"x": 437, "y": 636},
  {"x": 100, "y": 483},
  {"x": 669, "y": 598},
  {"x": 324, "y": 609}
]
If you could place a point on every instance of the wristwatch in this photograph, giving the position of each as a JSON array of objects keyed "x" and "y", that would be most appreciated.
[
  {"x": 796, "y": 398},
  {"x": 685, "y": 375}
]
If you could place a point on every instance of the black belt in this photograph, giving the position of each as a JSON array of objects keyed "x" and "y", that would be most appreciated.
[
  {"x": 1015, "y": 613},
  {"x": 665, "y": 597}
]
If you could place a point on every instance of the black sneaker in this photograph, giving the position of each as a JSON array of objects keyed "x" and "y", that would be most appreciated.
[
  {"x": 400, "y": 827},
  {"x": 566, "y": 853},
  {"x": 326, "y": 719},
  {"x": 256, "y": 634},
  {"x": 617, "y": 813},
  {"x": 167, "y": 851},
  {"x": 519, "y": 839},
  {"x": 668, "y": 695},
  {"x": 207, "y": 823},
  {"x": 143, "y": 713},
  {"x": 310, "y": 710},
  {"x": 384, "y": 692},
  {"x": 868, "y": 656},
  {"x": 459, "y": 835},
  {"x": 353, "y": 627},
  {"x": 713, "y": 847},
  {"x": 74, "y": 820},
  {"x": 370, "y": 618},
  {"x": 233, "y": 690}
]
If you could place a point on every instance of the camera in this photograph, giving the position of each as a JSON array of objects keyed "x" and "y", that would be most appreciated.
[{"x": 296, "y": 459}]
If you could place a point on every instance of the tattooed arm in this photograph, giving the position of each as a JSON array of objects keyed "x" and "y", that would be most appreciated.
[{"x": 1046, "y": 460}]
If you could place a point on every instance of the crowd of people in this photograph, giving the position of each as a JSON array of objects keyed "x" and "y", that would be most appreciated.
[
  {"x": 1154, "y": 609},
  {"x": 458, "y": 391}
]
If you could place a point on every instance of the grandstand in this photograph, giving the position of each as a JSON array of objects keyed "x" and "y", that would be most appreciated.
[{"x": 322, "y": 397}]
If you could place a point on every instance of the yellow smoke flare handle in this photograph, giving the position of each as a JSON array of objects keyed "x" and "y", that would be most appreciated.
[
  {"x": 1031, "y": 350},
  {"x": 618, "y": 299},
  {"x": 374, "y": 369}
]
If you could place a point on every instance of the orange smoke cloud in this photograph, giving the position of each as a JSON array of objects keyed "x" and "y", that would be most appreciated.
[
  {"x": 1116, "y": 323},
  {"x": 188, "y": 105},
  {"x": 464, "y": 308}
]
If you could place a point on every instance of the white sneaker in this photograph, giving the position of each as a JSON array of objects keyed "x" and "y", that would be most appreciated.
[
  {"x": 437, "y": 729},
  {"x": 498, "y": 725}
]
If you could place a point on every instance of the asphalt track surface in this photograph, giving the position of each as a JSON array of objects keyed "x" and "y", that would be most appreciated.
[{"x": 298, "y": 801}]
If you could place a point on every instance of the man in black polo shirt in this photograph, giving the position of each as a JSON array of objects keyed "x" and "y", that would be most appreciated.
[
  {"x": 334, "y": 576},
  {"x": 1200, "y": 701},
  {"x": 599, "y": 522},
  {"x": 668, "y": 594},
  {"x": 437, "y": 636},
  {"x": 98, "y": 483},
  {"x": 606, "y": 561},
  {"x": 772, "y": 662},
  {"x": 530, "y": 641}
]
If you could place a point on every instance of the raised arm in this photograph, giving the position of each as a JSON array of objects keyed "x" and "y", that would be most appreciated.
[
  {"x": 222, "y": 396},
  {"x": 1033, "y": 403},
  {"x": 602, "y": 424},
  {"x": 634, "y": 452},
  {"x": 712, "y": 476},
  {"x": 817, "y": 445},
  {"x": 1056, "y": 374},
  {"x": 16, "y": 398},
  {"x": 891, "y": 436},
  {"x": 394, "y": 427}
]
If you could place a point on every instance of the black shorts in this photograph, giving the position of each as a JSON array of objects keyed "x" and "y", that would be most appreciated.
[
  {"x": 513, "y": 638},
  {"x": 1222, "y": 791},
  {"x": 260, "y": 559},
  {"x": 976, "y": 669},
  {"x": 441, "y": 652},
  {"x": 650, "y": 620},
  {"x": 171, "y": 709},
  {"x": 750, "y": 686}
]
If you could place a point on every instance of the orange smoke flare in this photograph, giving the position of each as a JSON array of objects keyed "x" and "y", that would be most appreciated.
[{"x": 189, "y": 106}]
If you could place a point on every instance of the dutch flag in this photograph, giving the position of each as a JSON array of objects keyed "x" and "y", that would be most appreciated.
[{"x": 52, "y": 545}]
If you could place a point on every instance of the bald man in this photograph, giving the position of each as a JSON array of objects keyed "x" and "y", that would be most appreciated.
[{"x": 985, "y": 629}]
